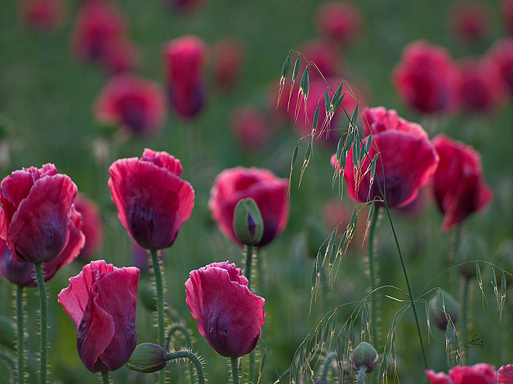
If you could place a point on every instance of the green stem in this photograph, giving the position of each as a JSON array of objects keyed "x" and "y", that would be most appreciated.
[
  {"x": 235, "y": 370},
  {"x": 464, "y": 322},
  {"x": 373, "y": 274},
  {"x": 184, "y": 354},
  {"x": 20, "y": 334},
  {"x": 44, "y": 322},
  {"x": 8, "y": 359},
  {"x": 105, "y": 377},
  {"x": 185, "y": 332},
  {"x": 160, "y": 306},
  {"x": 326, "y": 366},
  {"x": 360, "y": 379},
  {"x": 249, "y": 263}
]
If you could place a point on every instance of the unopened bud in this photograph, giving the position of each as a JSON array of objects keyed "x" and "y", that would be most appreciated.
[
  {"x": 443, "y": 307},
  {"x": 471, "y": 248},
  {"x": 147, "y": 358},
  {"x": 248, "y": 224},
  {"x": 364, "y": 355}
]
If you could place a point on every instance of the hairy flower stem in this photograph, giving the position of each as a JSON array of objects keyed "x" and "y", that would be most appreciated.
[
  {"x": 373, "y": 275},
  {"x": 20, "y": 334},
  {"x": 326, "y": 366},
  {"x": 249, "y": 263},
  {"x": 159, "y": 287},
  {"x": 410, "y": 294},
  {"x": 360, "y": 378},
  {"x": 8, "y": 359},
  {"x": 105, "y": 377},
  {"x": 187, "y": 335},
  {"x": 44, "y": 322},
  {"x": 185, "y": 354},
  {"x": 235, "y": 370}
]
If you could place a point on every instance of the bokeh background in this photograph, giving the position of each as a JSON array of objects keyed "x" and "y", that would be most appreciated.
[{"x": 46, "y": 115}]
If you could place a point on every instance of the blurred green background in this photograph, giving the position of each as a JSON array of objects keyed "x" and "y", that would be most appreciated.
[{"x": 46, "y": 103}]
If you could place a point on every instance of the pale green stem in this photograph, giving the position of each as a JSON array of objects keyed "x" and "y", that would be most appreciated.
[
  {"x": 464, "y": 321},
  {"x": 326, "y": 366},
  {"x": 20, "y": 334},
  {"x": 373, "y": 274},
  {"x": 235, "y": 370},
  {"x": 249, "y": 263},
  {"x": 159, "y": 286},
  {"x": 185, "y": 332},
  {"x": 44, "y": 324},
  {"x": 184, "y": 354},
  {"x": 360, "y": 379},
  {"x": 9, "y": 360},
  {"x": 105, "y": 377}
]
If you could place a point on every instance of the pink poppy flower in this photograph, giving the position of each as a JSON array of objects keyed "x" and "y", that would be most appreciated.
[
  {"x": 36, "y": 213},
  {"x": 227, "y": 58},
  {"x": 476, "y": 374},
  {"x": 97, "y": 23},
  {"x": 92, "y": 226},
  {"x": 250, "y": 128},
  {"x": 469, "y": 21},
  {"x": 101, "y": 300},
  {"x": 425, "y": 78},
  {"x": 185, "y": 58},
  {"x": 458, "y": 182},
  {"x": 152, "y": 201},
  {"x": 43, "y": 15},
  {"x": 326, "y": 56},
  {"x": 120, "y": 55},
  {"x": 340, "y": 21},
  {"x": 407, "y": 160},
  {"x": 24, "y": 274},
  {"x": 501, "y": 54},
  {"x": 505, "y": 374},
  {"x": 480, "y": 88},
  {"x": 229, "y": 316},
  {"x": 268, "y": 191},
  {"x": 136, "y": 104}
]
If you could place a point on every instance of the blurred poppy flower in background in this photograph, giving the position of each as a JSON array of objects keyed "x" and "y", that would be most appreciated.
[
  {"x": 92, "y": 226},
  {"x": 229, "y": 316},
  {"x": 152, "y": 201},
  {"x": 469, "y": 21},
  {"x": 43, "y": 15},
  {"x": 250, "y": 128},
  {"x": 407, "y": 160},
  {"x": 268, "y": 191},
  {"x": 325, "y": 55},
  {"x": 136, "y": 104},
  {"x": 24, "y": 274},
  {"x": 101, "y": 300},
  {"x": 96, "y": 24},
  {"x": 501, "y": 53},
  {"x": 37, "y": 213},
  {"x": 478, "y": 373},
  {"x": 120, "y": 55},
  {"x": 425, "y": 78},
  {"x": 184, "y": 64},
  {"x": 458, "y": 182},
  {"x": 339, "y": 21},
  {"x": 227, "y": 60}
]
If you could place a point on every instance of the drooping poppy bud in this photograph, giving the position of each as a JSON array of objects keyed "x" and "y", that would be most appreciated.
[
  {"x": 443, "y": 308},
  {"x": 147, "y": 358}
]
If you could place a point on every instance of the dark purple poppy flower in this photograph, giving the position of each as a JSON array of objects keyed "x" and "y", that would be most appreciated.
[
  {"x": 152, "y": 201},
  {"x": 229, "y": 316},
  {"x": 101, "y": 301}
]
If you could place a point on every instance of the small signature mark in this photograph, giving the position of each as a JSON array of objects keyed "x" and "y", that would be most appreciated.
[{"x": 475, "y": 342}]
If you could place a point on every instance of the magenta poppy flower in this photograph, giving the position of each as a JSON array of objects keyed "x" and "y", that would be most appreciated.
[
  {"x": 480, "y": 88},
  {"x": 36, "y": 213},
  {"x": 185, "y": 58},
  {"x": 24, "y": 274},
  {"x": 92, "y": 226},
  {"x": 101, "y": 300},
  {"x": 407, "y": 160},
  {"x": 505, "y": 374},
  {"x": 250, "y": 128},
  {"x": 425, "y": 78},
  {"x": 458, "y": 183},
  {"x": 43, "y": 15},
  {"x": 501, "y": 54},
  {"x": 229, "y": 316},
  {"x": 469, "y": 21},
  {"x": 327, "y": 58},
  {"x": 340, "y": 21},
  {"x": 268, "y": 191},
  {"x": 227, "y": 58},
  {"x": 476, "y": 374},
  {"x": 136, "y": 104},
  {"x": 97, "y": 23},
  {"x": 152, "y": 201},
  {"x": 120, "y": 55}
]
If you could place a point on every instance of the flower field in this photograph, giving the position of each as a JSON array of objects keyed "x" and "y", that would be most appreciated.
[{"x": 256, "y": 192}]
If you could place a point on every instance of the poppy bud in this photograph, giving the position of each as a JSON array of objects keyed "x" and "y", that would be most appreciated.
[
  {"x": 471, "y": 248},
  {"x": 248, "y": 224},
  {"x": 364, "y": 355},
  {"x": 443, "y": 307},
  {"x": 147, "y": 358}
]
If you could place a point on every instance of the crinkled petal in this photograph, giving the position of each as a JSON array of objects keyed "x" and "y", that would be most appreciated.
[
  {"x": 505, "y": 374},
  {"x": 438, "y": 378}
]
